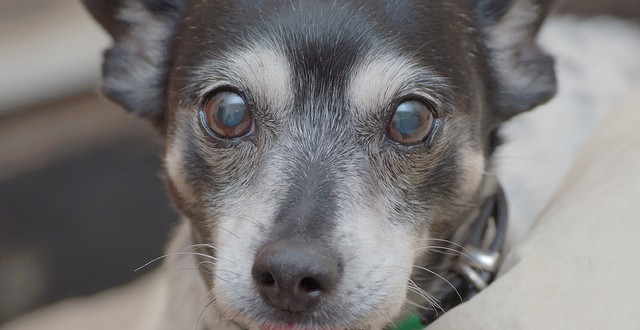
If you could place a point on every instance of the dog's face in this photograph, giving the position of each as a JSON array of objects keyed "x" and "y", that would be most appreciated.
[{"x": 325, "y": 149}]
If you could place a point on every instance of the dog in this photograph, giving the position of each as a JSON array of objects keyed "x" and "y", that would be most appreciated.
[{"x": 322, "y": 153}]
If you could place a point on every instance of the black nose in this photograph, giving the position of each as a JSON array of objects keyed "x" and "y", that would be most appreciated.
[{"x": 295, "y": 276}]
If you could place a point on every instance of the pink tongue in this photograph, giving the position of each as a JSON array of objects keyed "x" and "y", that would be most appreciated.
[{"x": 280, "y": 327}]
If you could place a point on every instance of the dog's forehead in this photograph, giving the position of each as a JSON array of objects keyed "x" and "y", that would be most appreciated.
[{"x": 286, "y": 51}]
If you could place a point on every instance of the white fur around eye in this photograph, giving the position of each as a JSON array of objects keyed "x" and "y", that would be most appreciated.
[
  {"x": 261, "y": 70},
  {"x": 380, "y": 77}
]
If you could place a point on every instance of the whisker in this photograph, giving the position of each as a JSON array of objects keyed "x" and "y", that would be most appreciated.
[
  {"x": 465, "y": 252},
  {"x": 206, "y": 245},
  {"x": 202, "y": 313},
  {"x": 390, "y": 317},
  {"x": 208, "y": 263},
  {"x": 175, "y": 254},
  {"x": 421, "y": 294},
  {"x": 413, "y": 287},
  {"x": 432, "y": 300},
  {"x": 442, "y": 278},
  {"x": 444, "y": 248},
  {"x": 445, "y": 241},
  {"x": 416, "y": 305}
]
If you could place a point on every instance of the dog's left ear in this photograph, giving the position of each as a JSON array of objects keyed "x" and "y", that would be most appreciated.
[
  {"x": 135, "y": 68},
  {"x": 524, "y": 74}
]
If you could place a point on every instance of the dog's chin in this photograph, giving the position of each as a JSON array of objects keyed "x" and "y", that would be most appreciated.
[
  {"x": 272, "y": 322},
  {"x": 295, "y": 327},
  {"x": 266, "y": 325},
  {"x": 280, "y": 320}
]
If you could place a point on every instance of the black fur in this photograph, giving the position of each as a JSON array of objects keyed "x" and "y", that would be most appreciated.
[{"x": 134, "y": 75}]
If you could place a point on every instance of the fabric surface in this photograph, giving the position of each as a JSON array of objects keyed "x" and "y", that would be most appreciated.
[
  {"x": 597, "y": 65},
  {"x": 578, "y": 268},
  {"x": 136, "y": 306}
]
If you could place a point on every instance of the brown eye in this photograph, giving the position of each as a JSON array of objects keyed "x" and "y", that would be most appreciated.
[
  {"x": 411, "y": 123},
  {"x": 227, "y": 115}
]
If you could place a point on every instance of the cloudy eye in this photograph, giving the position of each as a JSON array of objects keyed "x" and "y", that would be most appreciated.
[
  {"x": 412, "y": 123},
  {"x": 227, "y": 115}
]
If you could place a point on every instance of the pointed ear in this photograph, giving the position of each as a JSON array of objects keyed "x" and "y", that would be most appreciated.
[
  {"x": 135, "y": 68},
  {"x": 524, "y": 73}
]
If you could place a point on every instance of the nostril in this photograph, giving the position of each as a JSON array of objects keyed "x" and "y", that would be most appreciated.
[
  {"x": 310, "y": 285},
  {"x": 266, "y": 279},
  {"x": 295, "y": 276}
]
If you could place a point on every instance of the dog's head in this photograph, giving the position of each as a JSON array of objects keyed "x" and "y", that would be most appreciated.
[{"x": 325, "y": 148}]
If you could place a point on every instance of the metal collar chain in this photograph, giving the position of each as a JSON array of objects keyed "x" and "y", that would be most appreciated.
[{"x": 476, "y": 268}]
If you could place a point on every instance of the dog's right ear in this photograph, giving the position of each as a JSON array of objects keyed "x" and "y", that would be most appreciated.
[
  {"x": 524, "y": 73},
  {"x": 135, "y": 68}
]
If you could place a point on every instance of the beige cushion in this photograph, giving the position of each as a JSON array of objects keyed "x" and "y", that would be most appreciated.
[
  {"x": 136, "y": 306},
  {"x": 579, "y": 266}
]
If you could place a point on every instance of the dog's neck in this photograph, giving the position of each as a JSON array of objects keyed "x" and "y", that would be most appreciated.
[
  {"x": 481, "y": 240},
  {"x": 489, "y": 188}
]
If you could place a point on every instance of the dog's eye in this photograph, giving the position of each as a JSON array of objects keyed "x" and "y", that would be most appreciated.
[
  {"x": 228, "y": 115},
  {"x": 411, "y": 123}
]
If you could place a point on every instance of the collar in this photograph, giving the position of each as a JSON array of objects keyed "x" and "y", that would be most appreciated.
[{"x": 476, "y": 267}]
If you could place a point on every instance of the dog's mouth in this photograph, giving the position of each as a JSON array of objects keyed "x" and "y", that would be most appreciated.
[{"x": 293, "y": 326}]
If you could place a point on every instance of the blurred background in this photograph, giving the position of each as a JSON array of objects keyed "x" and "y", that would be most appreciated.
[{"x": 82, "y": 202}]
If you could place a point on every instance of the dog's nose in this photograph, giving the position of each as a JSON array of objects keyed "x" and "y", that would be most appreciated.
[{"x": 295, "y": 276}]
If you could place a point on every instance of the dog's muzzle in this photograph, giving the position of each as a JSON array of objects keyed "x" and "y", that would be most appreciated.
[{"x": 295, "y": 276}]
